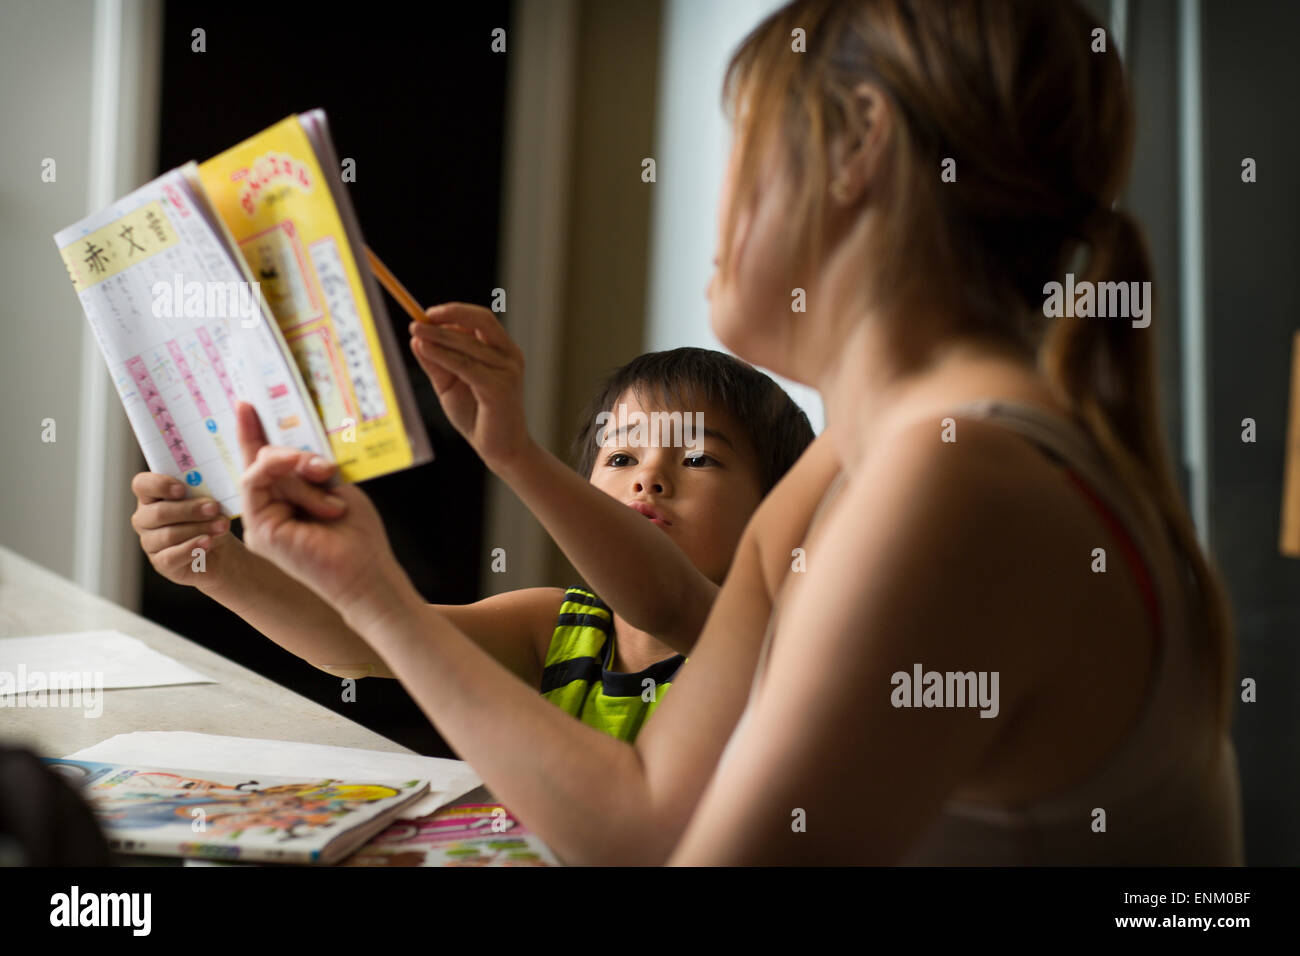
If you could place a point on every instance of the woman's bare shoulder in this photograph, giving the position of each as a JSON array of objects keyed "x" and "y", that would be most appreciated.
[{"x": 982, "y": 519}]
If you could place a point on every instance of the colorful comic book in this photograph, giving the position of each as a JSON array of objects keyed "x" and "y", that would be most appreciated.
[
  {"x": 471, "y": 834},
  {"x": 244, "y": 279},
  {"x": 221, "y": 816}
]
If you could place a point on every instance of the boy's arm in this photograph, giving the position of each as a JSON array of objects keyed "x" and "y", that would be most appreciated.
[
  {"x": 477, "y": 372},
  {"x": 511, "y": 627},
  {"x": 172, "y": 527},
  {"x": 294, "y": 617},
  {"x": 507, "y": 626},
  {"x": 288, "y": 613},
  {"x": 626, "y": 559}
]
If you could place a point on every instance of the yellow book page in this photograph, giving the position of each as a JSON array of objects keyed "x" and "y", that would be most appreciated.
[{"x": 272, "y": 195}]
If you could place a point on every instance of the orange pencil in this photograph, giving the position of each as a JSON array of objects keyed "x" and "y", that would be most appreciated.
[{"x": 395, "y": 288}]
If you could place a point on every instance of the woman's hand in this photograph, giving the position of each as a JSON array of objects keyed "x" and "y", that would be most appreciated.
[
  {"x": 477, "y": 372},
  {"x": 329, "y": 538}
]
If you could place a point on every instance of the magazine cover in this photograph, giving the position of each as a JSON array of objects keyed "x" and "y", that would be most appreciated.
[
  {"x": 172, "y": 812},
  {"x": 472, "y": 834}
]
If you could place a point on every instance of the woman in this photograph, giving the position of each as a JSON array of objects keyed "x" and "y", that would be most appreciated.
[{"x": 1003, "y": 530}]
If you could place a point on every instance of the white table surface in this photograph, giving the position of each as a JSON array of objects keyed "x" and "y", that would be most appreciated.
[{"x": 34, "y": 600}]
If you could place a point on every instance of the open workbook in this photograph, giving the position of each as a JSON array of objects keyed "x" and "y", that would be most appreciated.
[
  {"x": 224, "y": 816},
  {"x": 244, "y": 279}
]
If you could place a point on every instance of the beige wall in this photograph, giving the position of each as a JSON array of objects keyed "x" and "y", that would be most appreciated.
[
  {"x": 50, "y": 97},
  {"x": 608, "y": 241},
  {"x": 45, "y": 108}
]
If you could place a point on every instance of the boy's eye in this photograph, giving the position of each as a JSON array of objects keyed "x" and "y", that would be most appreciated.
[
  {"x": 700, "y": 460},
  {"x": 618, "y": 460}
]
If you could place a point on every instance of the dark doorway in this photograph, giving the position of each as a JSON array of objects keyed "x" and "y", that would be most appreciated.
[{"x": 417, "y": 98}]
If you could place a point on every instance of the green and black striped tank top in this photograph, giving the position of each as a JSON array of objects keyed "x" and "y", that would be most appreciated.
[{"x": 577, "y": 676}]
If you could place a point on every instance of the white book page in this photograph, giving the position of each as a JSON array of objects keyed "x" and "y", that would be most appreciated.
[{"x": 184, "y": 337}]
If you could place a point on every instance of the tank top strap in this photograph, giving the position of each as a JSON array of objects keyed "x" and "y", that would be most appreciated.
[
  {"x": 1064, "y": 441},
  {"x": 1068, "y": 442},
  {"x": 1134, "y": 521},
  {"x": 578, "y": 676},
  {"x": 1174, "y": 685},
  {"x": 584, "y": 628}
]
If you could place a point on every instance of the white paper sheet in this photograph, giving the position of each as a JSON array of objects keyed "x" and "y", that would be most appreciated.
[
  {"x": 186, "y": 335},
  {"x": 448, "y": 779},
  {"x": 121, "y": 660}
]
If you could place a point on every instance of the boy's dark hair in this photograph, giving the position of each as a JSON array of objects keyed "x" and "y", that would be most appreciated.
[{"x": 776, "y": 427}]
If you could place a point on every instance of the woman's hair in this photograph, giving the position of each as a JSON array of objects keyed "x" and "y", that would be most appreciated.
[
  {"x": 681, "y": 378},
  {"x": 1040, "y": 131}
]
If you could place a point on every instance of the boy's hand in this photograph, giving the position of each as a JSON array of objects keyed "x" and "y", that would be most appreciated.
[
  {"x": 171, "y": 526},
  {"x": 477, "y": 372},
  {"x": 330, "y": 539}
]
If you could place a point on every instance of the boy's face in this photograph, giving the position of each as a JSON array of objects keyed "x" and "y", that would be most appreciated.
[{"x": 701, "y": 491}]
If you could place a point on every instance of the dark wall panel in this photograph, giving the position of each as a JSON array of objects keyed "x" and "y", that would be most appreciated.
[
  {"x": 1253, "y": 308},
  {"x": 417, "y": 98}
]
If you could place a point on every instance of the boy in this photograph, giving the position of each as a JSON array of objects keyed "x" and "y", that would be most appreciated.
[{"x": 607, "y": 661}]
